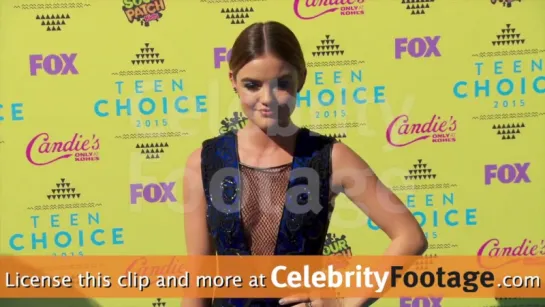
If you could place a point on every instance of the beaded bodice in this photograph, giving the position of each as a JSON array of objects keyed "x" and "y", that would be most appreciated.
[
  {"x": 282, "y": 211},
  {"x": 263, "y": 196}
]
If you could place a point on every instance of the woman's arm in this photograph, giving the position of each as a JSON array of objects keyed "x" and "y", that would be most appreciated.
[
  {"x": 195, "y": 227},
  {"x": 357, "y": 181},
  {"x": 352, "y": 176}
]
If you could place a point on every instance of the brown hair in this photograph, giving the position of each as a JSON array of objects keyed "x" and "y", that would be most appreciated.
[{"x": 270, "y": 37}]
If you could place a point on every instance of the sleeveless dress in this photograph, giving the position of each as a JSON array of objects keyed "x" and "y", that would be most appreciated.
[{"x": 267, "y": 211}]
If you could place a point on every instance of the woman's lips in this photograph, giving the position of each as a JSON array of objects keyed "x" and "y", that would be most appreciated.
[{"x": 266, "y": 113}]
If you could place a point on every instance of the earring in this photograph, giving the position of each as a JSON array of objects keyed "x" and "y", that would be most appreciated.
[{"x": 235, "y": 89}]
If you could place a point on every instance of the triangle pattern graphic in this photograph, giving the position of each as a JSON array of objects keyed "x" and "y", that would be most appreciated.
[
  {"x": 508, "y": 131},
  {"x": 52, "y": 22},
  {"x": 237, "y": 16},
  {"x": 417, "y": 7},
  {"x": 147, "y": 55},
  {"x": 337, "y": 136},
  {"x": 508, "y": 36},
  {"x": 328, "y": 47},
  {"x": 424, "y": 262},
  {"x": 420, "y": 171},
  {"x": 158, "y": 303},
  {"x": 152, "y": 150},
  {"x": 63, "y": 190}
]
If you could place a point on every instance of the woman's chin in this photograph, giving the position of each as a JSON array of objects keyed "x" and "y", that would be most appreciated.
[
  {"x": 268, "y": 124},
  {"x": 275, "y": 129}
]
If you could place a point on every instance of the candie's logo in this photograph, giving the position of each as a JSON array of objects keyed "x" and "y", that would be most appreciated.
[
  {"x": 440, "y": 130},
  {"x": 527, "y": 251},
  {"x": 322, "y": 7},
  {"x": 43, "y": 150},
  {"x": 143, "y": 11}
]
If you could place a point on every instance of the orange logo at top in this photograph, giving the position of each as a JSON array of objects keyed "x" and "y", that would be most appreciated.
[{"x": 144, "y": 11}]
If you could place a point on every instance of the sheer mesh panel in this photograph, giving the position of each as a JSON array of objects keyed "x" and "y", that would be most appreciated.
[{"x": 263, "y": 198}]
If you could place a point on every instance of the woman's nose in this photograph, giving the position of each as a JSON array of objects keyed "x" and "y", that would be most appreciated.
[{"x": 267, "y": 95}]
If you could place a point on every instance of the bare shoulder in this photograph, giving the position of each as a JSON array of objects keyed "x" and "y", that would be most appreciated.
[
  {"x": 343, "y": 156},
  {"x": 194, "y": 160},
  {"x": 192, "y": 175}
]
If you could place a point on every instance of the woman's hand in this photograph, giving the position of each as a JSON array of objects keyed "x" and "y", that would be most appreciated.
[{"x": 305, "y": 301}]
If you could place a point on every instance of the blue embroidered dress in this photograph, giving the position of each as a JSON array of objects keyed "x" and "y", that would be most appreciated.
[{"x": 303, "y": 218}]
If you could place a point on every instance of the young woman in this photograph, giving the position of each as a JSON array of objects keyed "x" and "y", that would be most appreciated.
[{"x": 269, "y": 189}]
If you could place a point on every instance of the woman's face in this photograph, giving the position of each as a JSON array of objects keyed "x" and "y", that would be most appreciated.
[{"x": 267, "y": 87}]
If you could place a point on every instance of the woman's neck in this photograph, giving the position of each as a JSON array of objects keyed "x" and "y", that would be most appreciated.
[{"x": 269, "y": 139}]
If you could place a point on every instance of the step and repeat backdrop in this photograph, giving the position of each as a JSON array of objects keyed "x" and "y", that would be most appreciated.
[{"x": 102, "y": 101}]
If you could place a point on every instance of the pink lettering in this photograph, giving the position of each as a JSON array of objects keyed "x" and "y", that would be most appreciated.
[
  {"x": 151, "y": 17},
  {"x": 329, "y": 6},
  {"x": 171, "y": 267},
  {"x": 402, "y": 127},
  {"x": 493, "y": 248},
  {"x": 63, "y": 149}
]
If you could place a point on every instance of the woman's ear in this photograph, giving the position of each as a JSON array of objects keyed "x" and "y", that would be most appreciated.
[
  {"x": 233, "y": 81},
  {"x": 232, "y": 78}
]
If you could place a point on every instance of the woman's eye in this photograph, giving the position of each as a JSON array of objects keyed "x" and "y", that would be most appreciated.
[
  {"x": 251, "y": 85},
  {"x": 283, "y": 84}
]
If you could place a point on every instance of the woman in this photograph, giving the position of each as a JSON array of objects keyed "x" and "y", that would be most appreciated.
[{"x": 261, "y": 191}]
